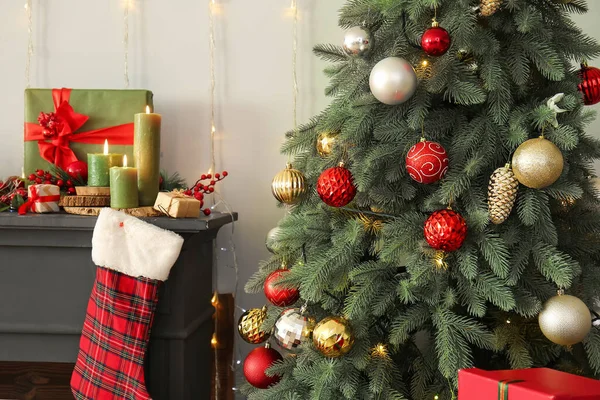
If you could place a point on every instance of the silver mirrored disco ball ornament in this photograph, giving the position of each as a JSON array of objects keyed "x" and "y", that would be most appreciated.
[
  {"x": 393, "y": 81},
  {"x": 292, "y": 329},
  {"x": 358, "y": 41}
]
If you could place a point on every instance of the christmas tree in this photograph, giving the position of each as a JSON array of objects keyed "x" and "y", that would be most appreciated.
[{"x": 436, "y": 207}]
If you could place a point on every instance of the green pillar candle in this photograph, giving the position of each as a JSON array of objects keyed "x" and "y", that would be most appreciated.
[
  {"x": 146, "y": 153},
  {"x": 99, "y": 166},
  {"x": 123, "y": 186}
]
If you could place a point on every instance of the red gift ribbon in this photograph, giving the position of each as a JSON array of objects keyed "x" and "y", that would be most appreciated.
[
  {"x": 57, "y": 150},
  {"x": 35, "y": 198}
]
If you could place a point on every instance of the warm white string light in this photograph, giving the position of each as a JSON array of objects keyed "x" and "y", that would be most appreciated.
[
  {"x": 294, "y": 7},
  {"x": 212, "y": 5},
  {"x": 29, "y": 43},
  {"x": 126, "y": 41}
]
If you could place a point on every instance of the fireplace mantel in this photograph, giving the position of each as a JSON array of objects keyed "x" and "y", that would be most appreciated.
[{"x": 46, "y": 275}]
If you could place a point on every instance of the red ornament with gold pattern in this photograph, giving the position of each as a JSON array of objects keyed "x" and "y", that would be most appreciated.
[
  {"x": 436, "y": 40},
  {"x": 590, "y": 84},
  {"x": 445, "y": 230},
  {"x": 278, "y": 295},
  {"x": 336, "y": 187}
]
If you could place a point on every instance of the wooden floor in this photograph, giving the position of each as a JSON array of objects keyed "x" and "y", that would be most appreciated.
[{"x": 35, "y": 381}]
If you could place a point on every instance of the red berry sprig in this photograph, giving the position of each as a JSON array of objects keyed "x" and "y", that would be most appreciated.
[
  {"x": 10, "y": 188},
  {"x": 40, "y": 176},
  {"x": 200, "y": 188}
]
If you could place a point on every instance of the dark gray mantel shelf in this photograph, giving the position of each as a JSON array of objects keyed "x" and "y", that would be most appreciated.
[
  {"x": 47, "y": 273},
  {"x": 81, "y": 222}
]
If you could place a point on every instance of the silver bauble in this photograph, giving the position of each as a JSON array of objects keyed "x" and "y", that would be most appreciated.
[
  {"x": 393, "y": 81},
  {"x": 358, "y": 41},
  {"x": 292, "y": 329},
  {"x": 272, "y": 240},
  {"x": 565, "y": 320}
]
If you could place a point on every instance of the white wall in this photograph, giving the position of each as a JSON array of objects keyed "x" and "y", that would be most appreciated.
[{"x": 78, "y": 44}]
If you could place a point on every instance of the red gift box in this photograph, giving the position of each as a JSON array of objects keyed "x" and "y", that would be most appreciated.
[{"x": 525, "y": 384}]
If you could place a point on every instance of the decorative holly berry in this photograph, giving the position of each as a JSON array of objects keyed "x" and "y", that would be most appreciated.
[
  {"x": 40, "y": 172},
  {"x": 225, "y": 173},
  {"x": 32, "y": 177},
  {"x": 207, "y": 211},
  {"x": 60, "y": 183},
  {"x": 38, "y": 181},
  {"x": 70, "y": 183},
  {"x": 71, "y": 190}
]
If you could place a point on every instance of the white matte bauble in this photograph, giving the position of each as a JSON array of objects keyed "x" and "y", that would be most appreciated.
[
  {"x": 272, "y": 240},
  {"x": 393, "y": 81},
  {"x": 358, "y": 41}
]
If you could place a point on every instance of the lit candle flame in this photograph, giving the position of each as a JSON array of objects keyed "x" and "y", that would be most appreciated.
[
  {"x": 125, "y": 161},
  {"x": 147, "y": 109},
  {"x": 106, "y": 147}
]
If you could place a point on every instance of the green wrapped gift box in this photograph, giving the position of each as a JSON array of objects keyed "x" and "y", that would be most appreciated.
[{"x": 76, "y": 122}]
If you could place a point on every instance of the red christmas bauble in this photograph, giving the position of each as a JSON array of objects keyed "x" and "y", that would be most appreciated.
[
  {"x": 277, "y": 295},
  {"x": 427, "y": 162},
  {"x": 436, "y": 41},
  {"x": 255, "y": 365},
  {"x": 590, "y": 84},
  {"x": 336, "y": 187},
  {"x": 445, "y": 230},
  {"x": 78, "y": 169}
]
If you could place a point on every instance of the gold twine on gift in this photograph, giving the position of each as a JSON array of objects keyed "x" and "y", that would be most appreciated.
[{"x": 177, "y": 194}]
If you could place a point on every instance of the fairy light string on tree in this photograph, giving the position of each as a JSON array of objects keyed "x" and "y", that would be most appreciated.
[{"x": 289, "y": 185}]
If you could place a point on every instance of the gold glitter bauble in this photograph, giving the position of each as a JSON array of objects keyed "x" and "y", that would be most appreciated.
[
  {"x": 565, "y": 320},
  {"x": 537, "y": 163},
  {"x": 333, "y": 337},
  {"x": 325, "y": 143},
  {"x": 249, "y": 325},
  {"x": 289, "y": 185}
]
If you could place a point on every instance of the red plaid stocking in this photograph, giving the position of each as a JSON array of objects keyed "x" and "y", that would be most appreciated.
[{"x": 110, "y": 364}]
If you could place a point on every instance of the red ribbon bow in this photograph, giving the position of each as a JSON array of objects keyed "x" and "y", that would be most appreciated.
[
  {"x": 57, "y": 150},
  {"x": 34, "y": 198}
]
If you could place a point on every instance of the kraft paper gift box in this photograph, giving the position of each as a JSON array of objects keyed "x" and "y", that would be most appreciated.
[
  {"x": 177, "y": 205},
  {"x": 75, "y": 122}
]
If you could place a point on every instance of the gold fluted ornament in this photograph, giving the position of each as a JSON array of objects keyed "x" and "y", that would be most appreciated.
[
  {"x": 537, "y": 163},
  {"x": 289, "y": 185},
  {"x": 250, "y": 323},
  {"x": 502, "y": 193},
  {"x": 565, "y": 320},
  {"x": 325, "y": 143},
  {"x": 333, "y": 337}
]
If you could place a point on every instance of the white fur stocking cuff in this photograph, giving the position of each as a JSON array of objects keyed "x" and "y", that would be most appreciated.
[{"x": 129, "y": 245}]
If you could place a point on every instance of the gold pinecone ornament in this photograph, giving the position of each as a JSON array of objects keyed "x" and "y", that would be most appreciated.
[
  {"x": 502, "y": 193},
  {"x": 489, "y": 7}
]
